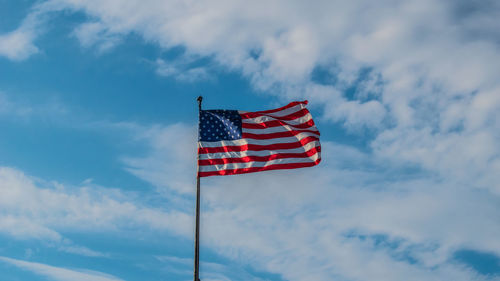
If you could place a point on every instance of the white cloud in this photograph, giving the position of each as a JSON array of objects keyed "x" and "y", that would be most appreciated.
[
  {"x": 165, "y": 149},
  {"x": 17, "y": 45},
  {"x": 428, "y": 54},
  {"x": 310, "y": 223},
  {"x": 324, "y": 223},
  {"x": 436, "y": 66},
  {"x": 58, "y": 273},
  {"x": 355, "y": 210},
  {"x": 181, "y": 70},
  {"x": 435, "y": 108},
  {"x": 31, "y": 209},
  {"x": 95, "y": 34},
  {"x": 69, "y": 247}
]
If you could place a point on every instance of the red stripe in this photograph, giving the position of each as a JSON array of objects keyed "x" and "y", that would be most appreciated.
[
  {"x": 309, "y": 153},
  {"x": 259, "y": 169},
  {"x": 290, "y": 116},
  {"x": 276, "y": 123},
  {"x": 282, "y": 108},
  {"x": 276, "y": 135},
  {"x": 256, "y": 147}
]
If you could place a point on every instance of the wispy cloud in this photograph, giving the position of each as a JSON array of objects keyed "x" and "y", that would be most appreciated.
[
  {"x": 69, "y": 247},
  {"x": 356, "y": 210},
  {"x": 18, "y": 45},
  {"x": 182, "y": 71},
  {"x": 95, "y": 34},
  {"x": 33, "y": 209},
  {"x": 59, "y": 273},
  {"x": 16, "y": 108},
  {"x": 164, "y": 150}
]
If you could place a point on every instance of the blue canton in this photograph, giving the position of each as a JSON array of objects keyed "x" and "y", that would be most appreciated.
[{"x": 217, "y": 125}]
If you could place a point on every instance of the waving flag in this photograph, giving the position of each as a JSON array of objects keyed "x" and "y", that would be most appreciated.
[{"x": 236, "y": 142}]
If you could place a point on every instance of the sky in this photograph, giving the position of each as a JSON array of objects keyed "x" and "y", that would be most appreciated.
[{"x": 98, "y": 119}]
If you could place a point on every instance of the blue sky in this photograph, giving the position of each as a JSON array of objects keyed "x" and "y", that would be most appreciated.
[{"x": 98, "y": 129}]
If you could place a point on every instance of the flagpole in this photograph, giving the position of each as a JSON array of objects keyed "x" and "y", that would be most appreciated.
[{"x": 197, "y": 231}]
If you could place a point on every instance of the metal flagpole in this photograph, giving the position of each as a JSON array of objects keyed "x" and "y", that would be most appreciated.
[{"x": 197, "y": 231}]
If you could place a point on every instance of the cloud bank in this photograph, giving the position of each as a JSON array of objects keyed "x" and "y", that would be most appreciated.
[
  {"x": 419, "y": 76},
  {"x": 422, "y": 75},
  {"x": 355, "y": 217},
  {"x": 34, "y": 209}
]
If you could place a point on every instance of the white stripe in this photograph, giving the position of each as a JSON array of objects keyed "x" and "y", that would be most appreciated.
[
  {"x": 277, "y": 129},
  {"x": 283, "y": 112},
  {"x": 240, "y": 154},
  {"x": 231, "y": 166},
  {"x": 241, "y": 142},
  {"x": 262, "y": 119}
]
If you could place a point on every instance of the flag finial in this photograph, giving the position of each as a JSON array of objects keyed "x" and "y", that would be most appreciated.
[{"x": 199, "y": 99}]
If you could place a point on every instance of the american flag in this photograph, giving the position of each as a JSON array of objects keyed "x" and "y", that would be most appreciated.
[{"x": 236, "y": 142}]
